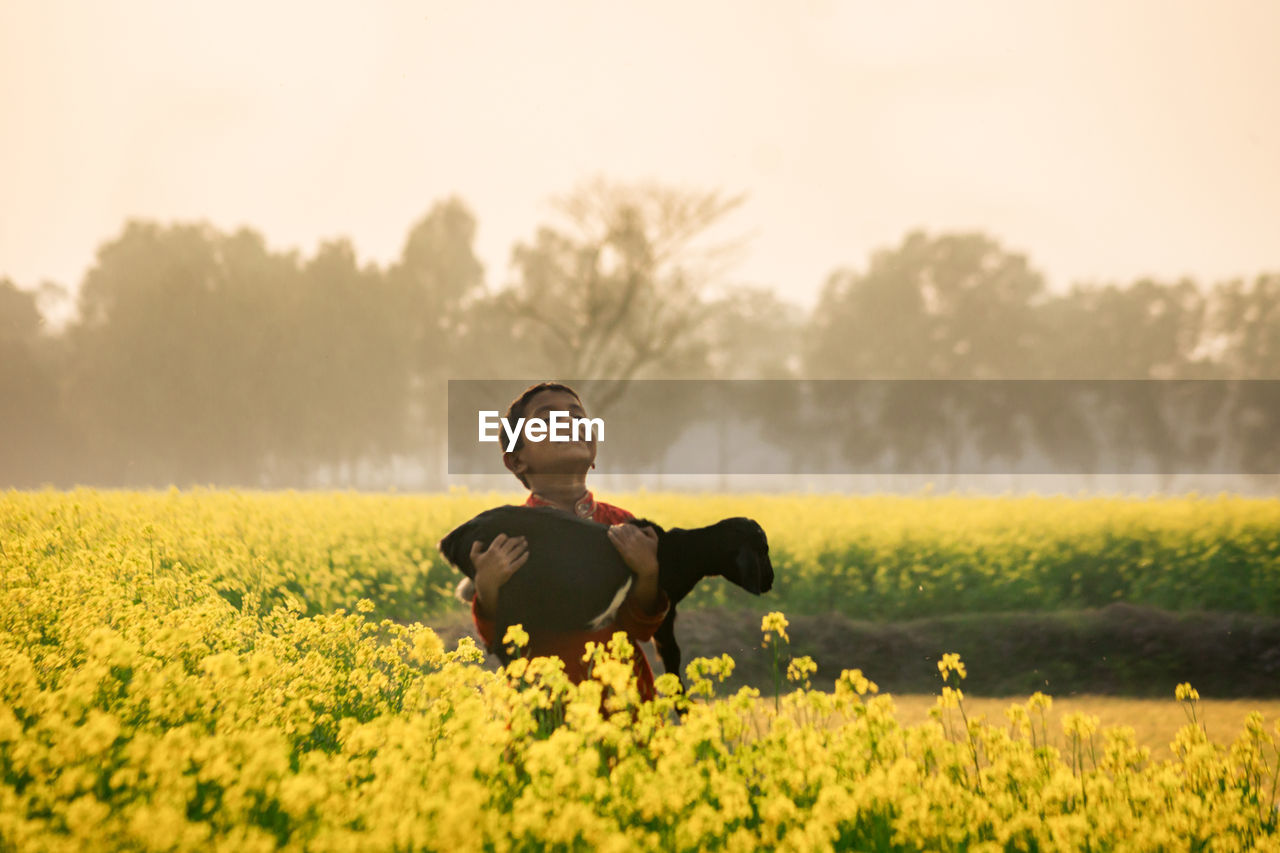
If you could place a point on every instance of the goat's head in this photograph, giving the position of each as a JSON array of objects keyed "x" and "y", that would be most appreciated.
[
  {"x": 735, "y": 549},
  {"x": 751, "y": 567}
]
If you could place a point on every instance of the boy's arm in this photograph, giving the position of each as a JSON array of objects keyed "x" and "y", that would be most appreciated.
[
  {"x": 494, "y": 564},
  {"x": 646, "y": 605}
]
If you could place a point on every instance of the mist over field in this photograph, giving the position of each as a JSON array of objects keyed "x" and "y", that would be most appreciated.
[
  {"x": 250, "y": 248},
  {"x": 201, "y": 357}
]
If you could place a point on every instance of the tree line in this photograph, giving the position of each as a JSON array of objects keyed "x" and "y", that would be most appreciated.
[{"x": 198, "y": 356}]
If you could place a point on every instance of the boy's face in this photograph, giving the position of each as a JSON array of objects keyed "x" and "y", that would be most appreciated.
[{"x": 552, "y": 457}]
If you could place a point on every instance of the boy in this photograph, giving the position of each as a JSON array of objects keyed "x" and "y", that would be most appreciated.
[{"x": 555, "y": 473}]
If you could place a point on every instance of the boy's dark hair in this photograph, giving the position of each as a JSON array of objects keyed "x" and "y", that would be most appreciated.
[{"x": 520, "y": 404}]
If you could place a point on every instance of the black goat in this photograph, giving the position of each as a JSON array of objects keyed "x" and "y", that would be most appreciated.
[{"x": 575, "y": 579}]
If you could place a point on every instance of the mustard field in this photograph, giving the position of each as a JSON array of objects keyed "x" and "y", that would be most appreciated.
[
  {"x": 218, "y": 670},
  {"x": 882, "y": 557}
]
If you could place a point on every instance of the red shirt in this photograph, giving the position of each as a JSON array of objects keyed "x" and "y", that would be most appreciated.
[{"x": 571, "y": 646}]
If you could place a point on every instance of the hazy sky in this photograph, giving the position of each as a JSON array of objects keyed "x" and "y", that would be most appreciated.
[{"x": 1107, "y": 140}]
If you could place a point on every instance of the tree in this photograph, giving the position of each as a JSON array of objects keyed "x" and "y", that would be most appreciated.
[
  {"x": 616, "y": 290},
  {"x": 31, "y": 430},
  {"x": 955, "y": 306},
  {"x": 1146, "y": 330},
  {"x": 176, "y": 358},
  {"x": 434, "y": 280},
  {"x": 756, "y": 339},
  {"x": 347, "y": 355},
  {"x": 1244, "y": 328},
  {"x": 1109, "y": 334},
  {"x": 435, "y": 285}
]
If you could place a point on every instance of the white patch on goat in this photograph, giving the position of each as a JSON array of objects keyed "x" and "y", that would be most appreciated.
[
  {"x": 466, "y": 590},
  {"x": 612, "y": 610}
]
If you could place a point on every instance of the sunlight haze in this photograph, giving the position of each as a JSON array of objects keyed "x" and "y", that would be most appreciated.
[{"x": 1106, "y": 141}]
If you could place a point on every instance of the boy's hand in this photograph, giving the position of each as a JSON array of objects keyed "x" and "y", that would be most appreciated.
[
  {"x": 638, "y": 547},
  {"x": 494, "y": 565}
]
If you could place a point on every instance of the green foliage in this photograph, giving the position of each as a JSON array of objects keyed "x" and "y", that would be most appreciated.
[{"x": 888, "y": 557}]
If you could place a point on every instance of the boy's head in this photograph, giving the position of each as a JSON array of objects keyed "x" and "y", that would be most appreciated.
[{"x": 547, "y": 457}]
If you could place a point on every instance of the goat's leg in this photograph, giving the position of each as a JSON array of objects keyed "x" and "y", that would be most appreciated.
[{"x": 664, "y": 639}]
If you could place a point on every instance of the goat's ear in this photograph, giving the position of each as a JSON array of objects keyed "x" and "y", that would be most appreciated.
[{"x": 644, "y": 522}]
